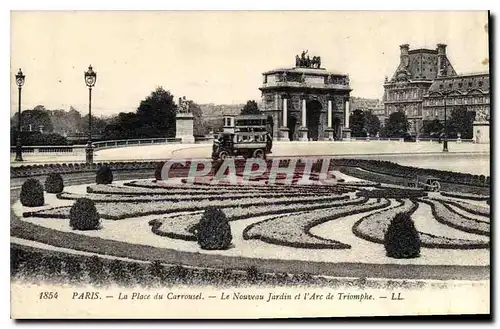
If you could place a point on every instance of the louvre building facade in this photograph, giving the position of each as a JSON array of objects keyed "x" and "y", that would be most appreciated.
[{"x": 422, "y": 82}]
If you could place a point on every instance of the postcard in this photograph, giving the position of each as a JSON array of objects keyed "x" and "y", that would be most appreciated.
[{"x": 249, "y": 164}]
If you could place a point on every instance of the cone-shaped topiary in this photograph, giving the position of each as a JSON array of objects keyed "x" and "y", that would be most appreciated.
[
  {"x": 32, "y": 193},
  {"x": 213, "y": 230},
  {"x": 104, "y": 175},
  {"x": 54, "y": 183},
  {"x": 401, "y": 238},
  {"x": 83, "y": 215}
]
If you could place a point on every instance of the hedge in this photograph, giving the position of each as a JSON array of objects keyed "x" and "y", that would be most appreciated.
[
  {"x": 32, "y": 193},
  {"x": 54, "y": 183}
]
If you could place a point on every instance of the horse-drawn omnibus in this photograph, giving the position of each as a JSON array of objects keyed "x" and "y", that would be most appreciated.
[{"x": 244, "y": 135}]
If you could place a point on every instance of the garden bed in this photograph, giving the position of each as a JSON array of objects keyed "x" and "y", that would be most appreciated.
[
  {"x": 466, "y": 196},
  {"x": 294, "y": 230},
  {"x": 475, "y": 209},
  {"x": 183, "y": 226},
  {"x": 122, "y": 210},
  {"x": 391, "y": 193},
  {"x": 444, "y": 214},
  {"x": 373, "y": 227}
]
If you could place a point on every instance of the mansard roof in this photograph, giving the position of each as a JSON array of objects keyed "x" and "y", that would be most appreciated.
[
  {"x": 422, "y": 64},
  {"x": 464, "y": 84}
]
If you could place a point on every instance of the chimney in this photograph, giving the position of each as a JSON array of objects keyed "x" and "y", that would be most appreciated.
[
  {"x": 441, "y": 49},
  {"x": 405, "y": 59},
  {"x": 441, "y": 62}
]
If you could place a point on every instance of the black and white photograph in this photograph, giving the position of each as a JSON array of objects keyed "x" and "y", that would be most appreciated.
[{"x": 249, "y": 164}]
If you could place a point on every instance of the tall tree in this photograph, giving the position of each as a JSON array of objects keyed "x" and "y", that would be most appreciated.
[
  {"x": 98, "y": 124},
  {"x": 124, "y": 126},
  {"x": 397, "y": 125},
  {"x": 199, "y": 128},
  {"x": 156, "y": 114},
  {"x": 35, "y": 119},
  {"x": 250, "y": 107},
  {"x": 461, "y": 122},
  {"x": 357, "y": 123},
  {"x": 431, "y": 128},
  {"x": 372, "y": 123}
]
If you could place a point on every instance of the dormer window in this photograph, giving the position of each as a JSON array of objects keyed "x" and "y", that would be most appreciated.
[
  {"x": 440, "y": 86},
  {"x": 480, "y": 83},
  {"x": 460, "y": 85}
]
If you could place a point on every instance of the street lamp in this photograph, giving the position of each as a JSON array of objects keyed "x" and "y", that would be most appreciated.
[
  {"x": 445, "y": 96},
  {"x": 19, "y": 149},
  {"x": 90, "y": 79}
]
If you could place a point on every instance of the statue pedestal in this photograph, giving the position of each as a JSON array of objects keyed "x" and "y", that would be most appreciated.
[
  {"x": 184, "y": 127},
  {"x": 284, "y": 134},
  {"x": 346, "y": 134},
  {"x": 330, "y": 133},
  {"x": 481, "y": 132},
  {"x": 304, "y": 130}
]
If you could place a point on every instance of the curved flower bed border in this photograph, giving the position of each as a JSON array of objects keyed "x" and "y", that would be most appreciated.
[
  {"x": 190, "y": 228},
  {"x": 127, "y": 198},
  {"x": 156, "y": 209},
  {"x": 466, "y": 196},
  {"x": 467, "y": 207},
  {"x": 329, "y": 244},
  {"x": 457, "y": 220},
  {"x": 391, "y": 193},
  {"x": 196, "y": 187},
  {"x": 156, "y": 225},
  {"x": 428, "y": 240}
]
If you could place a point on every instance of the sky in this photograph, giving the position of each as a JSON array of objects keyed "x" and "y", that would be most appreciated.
[{"x": 219, "y": 57}]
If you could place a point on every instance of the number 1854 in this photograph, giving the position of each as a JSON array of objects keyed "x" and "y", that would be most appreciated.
[{"x": 48, "y": 295}]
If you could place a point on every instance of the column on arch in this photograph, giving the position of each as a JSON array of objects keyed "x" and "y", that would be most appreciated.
[
  {"x": 329, "y": 129},
  {"x": 303, "y": 129},
  {"x": 284, "y": 118},
  {"x": 347, "y": 113}
]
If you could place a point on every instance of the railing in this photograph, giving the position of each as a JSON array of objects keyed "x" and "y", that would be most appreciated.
[
  {"x": 80, "y": 149},
  {"x": 452, "y": 140},
  {"x": 51, "y": 150},
  {"x": 133, "y": 142}
]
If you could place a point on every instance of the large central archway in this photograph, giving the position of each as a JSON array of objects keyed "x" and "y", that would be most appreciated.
[{"x": 313, "y": 113}]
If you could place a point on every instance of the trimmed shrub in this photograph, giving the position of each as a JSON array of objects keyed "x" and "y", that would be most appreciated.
[
  {"x": 104, "y": 175},
  {"x": 54, "y": 183},
  {"x": 401, "y": 239},
  {"x": 83, "y": 215},
  {"x": 32, "y": 193},
  {"x": 213, "y": 230}
]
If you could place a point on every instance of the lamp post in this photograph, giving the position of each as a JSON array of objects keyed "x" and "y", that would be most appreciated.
[
  {"x": 445, "y": 97},
  {"x": 19, "y": 149},
  {"x": 90, "y": 79}
]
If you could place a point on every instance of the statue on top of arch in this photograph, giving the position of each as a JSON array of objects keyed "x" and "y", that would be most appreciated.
[{"x": 306, "y": 61}]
